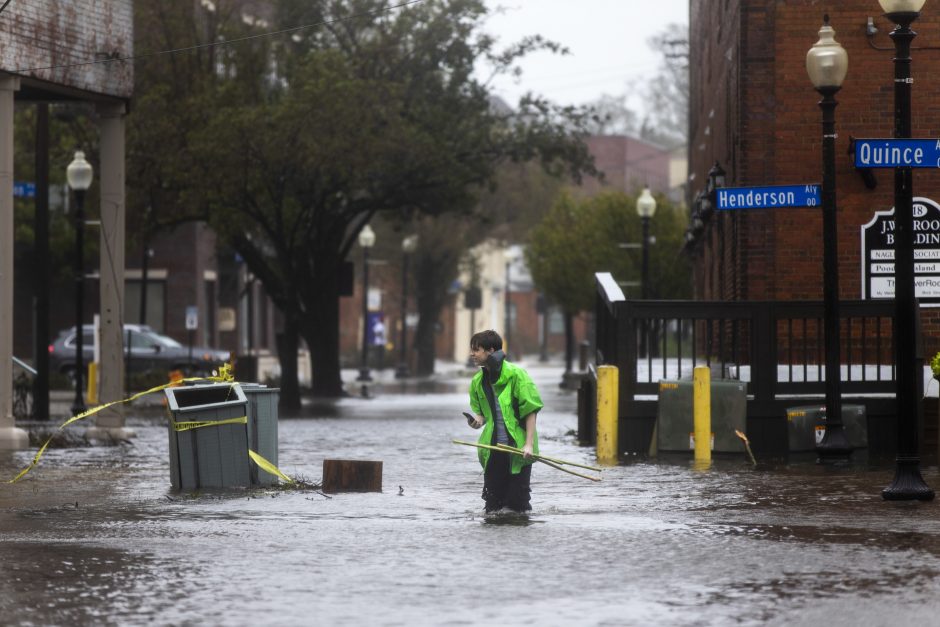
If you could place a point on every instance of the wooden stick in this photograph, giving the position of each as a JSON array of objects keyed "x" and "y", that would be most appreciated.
[
  {"x": 747, "y": 445},
  {"x": 561, "y": 468},
  {"x": 514, "y": 449},
  {"x": 535, "y": 457}
]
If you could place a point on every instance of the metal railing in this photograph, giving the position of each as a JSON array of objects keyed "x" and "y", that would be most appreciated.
[{"x": 776, "y": 347}]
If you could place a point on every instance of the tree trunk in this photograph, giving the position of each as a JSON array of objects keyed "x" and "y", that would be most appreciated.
[
  {"x": 431, "y": 277},
  {"x": 425, "y": 345},
  {"x": 569, "y": 341},
  {"x": 287, "y": 341},
  {"x": 321, "y": 331}
]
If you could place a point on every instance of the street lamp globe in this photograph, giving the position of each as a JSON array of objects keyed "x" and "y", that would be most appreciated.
[
  {"x": 827, "y": 62},
  {"x": 79, "y": 173},
  {"x": 367, "y": 237},
  {"x": 901, "y": 6},
  {"x": 646, "y": 204},
  {"x": 409, "y": 244}
]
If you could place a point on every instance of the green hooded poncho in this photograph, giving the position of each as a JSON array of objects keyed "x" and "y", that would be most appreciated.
[{"x": 517, "y": 397}]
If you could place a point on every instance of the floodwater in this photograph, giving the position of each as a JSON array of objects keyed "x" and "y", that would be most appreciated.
[{"x": 96, "y": 536}]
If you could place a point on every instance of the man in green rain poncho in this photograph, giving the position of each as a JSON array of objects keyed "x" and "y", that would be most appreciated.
[{"x": 505, "y": 403}]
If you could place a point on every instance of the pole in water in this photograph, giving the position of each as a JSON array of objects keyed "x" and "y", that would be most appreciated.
[
  {"x": 607, "y": 414},
  {"x": 702, "y": 413}
]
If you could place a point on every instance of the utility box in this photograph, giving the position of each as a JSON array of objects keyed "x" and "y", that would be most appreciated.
[
  {"x": 806, "y": 426},
  {"x": 212, "y": 455},
  {"x": 675, "y": 424},
  {"x": 262, "y": 428}
]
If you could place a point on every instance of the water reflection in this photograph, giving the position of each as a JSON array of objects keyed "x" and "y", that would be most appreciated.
[{"x": 53, "y": 583}]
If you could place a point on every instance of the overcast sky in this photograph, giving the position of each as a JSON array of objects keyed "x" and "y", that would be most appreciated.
[{"x": 607, "y": 40}]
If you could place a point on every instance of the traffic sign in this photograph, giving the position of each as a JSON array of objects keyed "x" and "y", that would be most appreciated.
[
  {"x": 897, "y": 153},
  {"x": 768, "y": 197}
]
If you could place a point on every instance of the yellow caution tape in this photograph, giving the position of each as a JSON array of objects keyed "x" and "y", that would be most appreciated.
[
  {"x": 224, "y": 375},
  {"x": 199, "y": 424},
  {"x": 267, "y": 466}
]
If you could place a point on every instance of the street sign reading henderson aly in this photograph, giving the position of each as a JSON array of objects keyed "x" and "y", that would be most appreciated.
[
  {"x": 767, "y": 197},
  {"x": 878, "y": 254}
]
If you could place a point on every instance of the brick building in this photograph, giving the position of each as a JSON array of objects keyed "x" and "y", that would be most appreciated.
[
  {"x": 754, "y": 111},
  {"x": 628, "y": 164}
]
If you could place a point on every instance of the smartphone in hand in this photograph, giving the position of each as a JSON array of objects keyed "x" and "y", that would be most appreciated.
[{"x": 470, "y": 419}]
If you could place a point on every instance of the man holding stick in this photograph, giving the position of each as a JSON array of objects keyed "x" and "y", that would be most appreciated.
[{"x": 504, "y": 401}]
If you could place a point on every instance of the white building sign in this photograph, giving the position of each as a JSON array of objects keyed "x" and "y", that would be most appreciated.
[{"x": 878, "y": 254}]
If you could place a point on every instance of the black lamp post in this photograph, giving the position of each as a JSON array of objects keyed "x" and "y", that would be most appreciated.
[
  {"x": 827, "y": 64},
  {"x": 408, "y": 246},
  {"x": 366, "y": 241},
  {"x": 908, "y": 484},
  {"x": 79, "y": 174},
  {"x": 508, "y": 305},
  {"x": 645, "y": 208}
]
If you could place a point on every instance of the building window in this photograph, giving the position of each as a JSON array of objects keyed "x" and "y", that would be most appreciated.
[
  {"x": 156, "y": 309},
  {"x": 556, "y": 322}
]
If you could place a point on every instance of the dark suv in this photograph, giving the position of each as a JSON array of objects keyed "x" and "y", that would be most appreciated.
[{"x": 149, "y": 350}]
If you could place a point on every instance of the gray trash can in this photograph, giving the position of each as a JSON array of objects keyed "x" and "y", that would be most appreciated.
[
  {"x": 806, "y": 426},
  {"x": 212, "y": 456},
  {"x": 675, "y": 422},
  {"x": 262, "y": 428}
]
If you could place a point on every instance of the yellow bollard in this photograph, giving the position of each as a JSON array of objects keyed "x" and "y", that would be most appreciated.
[
  {"x": 91, "y": 397},
  {"x": 702, "y": 413},
  {"x": 608, "y": 385}
]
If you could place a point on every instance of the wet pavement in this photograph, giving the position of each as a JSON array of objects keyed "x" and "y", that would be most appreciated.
[{"x": 96, "y": 536}]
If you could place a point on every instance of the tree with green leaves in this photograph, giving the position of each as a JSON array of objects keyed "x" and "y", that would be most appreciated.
[
  {"x": 300, "y": 141},
  {"x": 506, "y": 213},
  {"x": 581, "y": 237}
]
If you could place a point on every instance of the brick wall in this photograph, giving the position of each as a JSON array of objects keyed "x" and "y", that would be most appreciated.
[
  {"x": 44, "y": 33},
  {"x": 754, "y": 110}
]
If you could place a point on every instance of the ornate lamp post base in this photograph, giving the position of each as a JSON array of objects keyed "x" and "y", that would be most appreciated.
[
  {"x": 834, "y": 447},
  {"x": 908, "y": 484},
  {"x": 364, "y": 375}
]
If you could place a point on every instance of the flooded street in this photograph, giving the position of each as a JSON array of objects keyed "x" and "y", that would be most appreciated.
[{"x": 96, "y": 536}]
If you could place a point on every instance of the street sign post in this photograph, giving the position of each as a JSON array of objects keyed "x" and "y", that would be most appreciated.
[
  {"x": 767, "y": 197},
  {"x": 192, "y": 323},
  {"x": 897, "y": 153}
]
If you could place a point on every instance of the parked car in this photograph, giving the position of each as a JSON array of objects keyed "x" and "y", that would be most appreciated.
[{"x": 144, "y": 349}]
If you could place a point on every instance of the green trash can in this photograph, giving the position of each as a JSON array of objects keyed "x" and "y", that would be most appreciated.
[
  {"x": 806, "y": 426},
  {"x": 213, "y": 455},
  {"x": 262, "y": 428},
  {"x": 675, "y": 423}
]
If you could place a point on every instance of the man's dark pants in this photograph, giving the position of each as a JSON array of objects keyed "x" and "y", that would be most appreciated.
[{"x": 501, "y": 488}]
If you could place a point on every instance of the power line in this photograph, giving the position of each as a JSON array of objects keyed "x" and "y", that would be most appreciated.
[
  {"x": 215, "y": 43},
  {"x": 4, "y": 5}
]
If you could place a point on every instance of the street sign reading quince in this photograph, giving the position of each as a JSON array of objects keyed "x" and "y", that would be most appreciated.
[
  {"x": 878, "y": 254},
  {"x": 768, "y": 197},
  {"x": 897, "y": 153}
]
